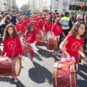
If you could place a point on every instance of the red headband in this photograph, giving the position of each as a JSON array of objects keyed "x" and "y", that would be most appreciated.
[{"x": 9, "y": 26}]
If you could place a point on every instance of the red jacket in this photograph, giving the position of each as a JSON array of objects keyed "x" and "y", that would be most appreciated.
[
  {"x": 12, "y": 47},
  {"x": 20, "y": 27},
  {"x": 31, "y": 22},
  {"x": 47, "y": 27},
  {"x": 25, "y": 23},
  {"x": 37, "y": 29},
  {"x": 41, "y": 23},
  {"x": 56, "y": 29},
  {"x": 30, "y": 38},
  {"x": 36, "y": 19},
  {"x": 28, "y": 20}
]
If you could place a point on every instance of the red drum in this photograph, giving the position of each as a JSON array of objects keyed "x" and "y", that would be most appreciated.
[
  {"x": 64, "y": 74},
  {"x": 52, "y": 43},
  {"x": 26, "y": 48},
  {"x": 9, "y": 66},
  {"x": 39, "y": 39}
]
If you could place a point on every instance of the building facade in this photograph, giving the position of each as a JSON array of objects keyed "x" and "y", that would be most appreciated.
[
  {"x": 75, "y": 7},
  {"x": 2, "y": 5},
  {"x": 6, "y": 5},
  {"x": 68, "y": 5},
  {"x": 39, "y": 5},
  {"x": 11, "y": 4}
]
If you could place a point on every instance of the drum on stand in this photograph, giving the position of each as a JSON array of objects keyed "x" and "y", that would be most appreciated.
[
  {"x": 9, "y": 66},
  {"x": 64, "y": 74},
  {"x": 52, "y": 43}
]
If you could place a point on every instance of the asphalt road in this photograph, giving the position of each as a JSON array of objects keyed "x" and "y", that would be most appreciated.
[{"x": 39, "y": 72}]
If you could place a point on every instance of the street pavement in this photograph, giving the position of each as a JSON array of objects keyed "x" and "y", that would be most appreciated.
[{"x": 39, "y": 72}]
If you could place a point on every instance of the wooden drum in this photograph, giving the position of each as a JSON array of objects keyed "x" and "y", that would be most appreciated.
[
  {"x": 39, "y": 39},
  {"x": 9, "y": 66},
  {"x": 26, "y": 48},
  {"x": 52, "y": 43},
  {"x": 64, "y": 74}
]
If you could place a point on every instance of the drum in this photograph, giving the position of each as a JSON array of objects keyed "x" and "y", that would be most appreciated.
[
  {"x": 26, "y": 48},
  {"x": 64, "y": 74},
  {"x": 9, "y": 66},
  {"x": 52, "y": 43},
  {"x": 39, "y": 39},
  {"x": 48, "y": 35}
]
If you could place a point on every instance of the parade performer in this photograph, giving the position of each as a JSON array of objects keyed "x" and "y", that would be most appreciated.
[
  {"x": 24, "y": 22},
  {"x": 37, "y": 28},
  {"x": 30, "y": 38},
  {"x": 41, "y": 23},
  {"x": 72, "y": 46},
  {"x": 11, "y": 44},
  {"x": 47, "y": 27},
  {"x": 32, "y": 21},
  {"x": 20, "y": 27},
  {"x": 57, "y": 29}
]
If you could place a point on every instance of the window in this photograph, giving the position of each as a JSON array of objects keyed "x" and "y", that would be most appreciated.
[{"x": 77, "y": 7}]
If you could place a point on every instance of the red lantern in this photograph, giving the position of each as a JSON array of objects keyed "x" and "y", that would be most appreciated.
[{"x": 81, "y": 6}]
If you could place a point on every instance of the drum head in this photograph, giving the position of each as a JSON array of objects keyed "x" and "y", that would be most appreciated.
[
  {"x": 17, "y": 66},
  {"x": 48, "y": 34}
]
